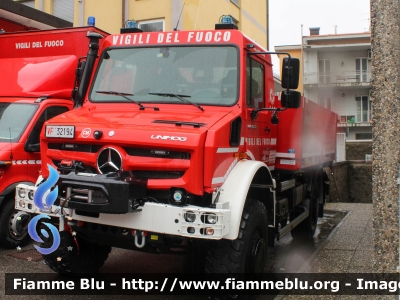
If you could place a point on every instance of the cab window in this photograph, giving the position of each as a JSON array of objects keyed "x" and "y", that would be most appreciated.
[{"x": 254, "y": 84}]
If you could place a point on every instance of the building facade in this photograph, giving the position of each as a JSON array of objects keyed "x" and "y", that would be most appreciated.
[
  {"x": 161, "y": 15},
  {"x": 17, "y": 17},
  {"x": 336, "y": 73}
]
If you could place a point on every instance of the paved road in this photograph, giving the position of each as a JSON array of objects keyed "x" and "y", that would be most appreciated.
[{"x": 287, "y": 256}]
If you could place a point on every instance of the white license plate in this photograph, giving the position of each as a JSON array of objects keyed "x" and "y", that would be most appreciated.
[{"x": 60, "y": 131}]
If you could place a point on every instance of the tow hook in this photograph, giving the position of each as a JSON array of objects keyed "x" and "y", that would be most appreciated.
[{"x": 139, "y": 235}]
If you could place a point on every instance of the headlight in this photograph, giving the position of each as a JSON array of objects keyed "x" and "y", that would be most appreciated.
[
  {"x": 190, "y": 217},
  {"x": 21, "y": 193},
  {"x": 211, "y": 218},
  {"x": 30, "y": 195},
  {"x": 21, "y": 203}
]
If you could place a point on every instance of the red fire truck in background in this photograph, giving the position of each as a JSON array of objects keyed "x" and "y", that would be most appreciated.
[
  {"x": 38, "y": 71},
  {"x": 179, "y": 145}
]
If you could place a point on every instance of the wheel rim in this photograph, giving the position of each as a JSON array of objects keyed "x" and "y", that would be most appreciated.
[
  {"x": 18, "y": 224},
  {"x": 258, "y": 253}
]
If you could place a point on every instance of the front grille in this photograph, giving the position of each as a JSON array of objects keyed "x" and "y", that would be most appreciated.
[
  {"x": 75, "y": 147},
  {"x": 158, "y": 174},
  {"x": 158, "y": 153}
]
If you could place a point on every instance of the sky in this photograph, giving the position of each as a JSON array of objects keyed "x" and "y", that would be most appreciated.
[{"x": 287, "y": 16}]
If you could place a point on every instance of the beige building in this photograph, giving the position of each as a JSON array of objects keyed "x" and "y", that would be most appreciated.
[{"x": 161, "y": 15}]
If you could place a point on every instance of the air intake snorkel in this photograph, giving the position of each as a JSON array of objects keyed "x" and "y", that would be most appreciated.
[{"x": 90, "y": 60}]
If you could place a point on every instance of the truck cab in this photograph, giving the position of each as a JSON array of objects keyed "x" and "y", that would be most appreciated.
[
  {"x": 38, "y": 75},
  {"x": 176, "y": 145}
]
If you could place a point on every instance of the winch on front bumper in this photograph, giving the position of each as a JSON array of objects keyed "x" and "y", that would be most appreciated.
[
  {"x": 106, "y": 193},
  {"x": 102, "y": 199}
]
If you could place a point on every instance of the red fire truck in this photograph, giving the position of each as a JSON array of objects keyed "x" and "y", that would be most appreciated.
[
  {"x": 181, "y": 145},
  {"x": 36, "y": 82}
]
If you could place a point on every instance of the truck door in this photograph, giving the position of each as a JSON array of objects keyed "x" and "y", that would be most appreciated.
[
  {"x": 32, "y": 145},
  {"x": 256, "y": 131}
]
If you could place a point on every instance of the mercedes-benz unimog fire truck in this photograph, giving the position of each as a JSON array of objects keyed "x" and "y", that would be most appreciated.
[
  {"x": 38, "y": 71},
  {"x": 179, "y": 145}
]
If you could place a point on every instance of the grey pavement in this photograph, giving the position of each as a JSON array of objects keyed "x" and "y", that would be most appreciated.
[{"x": 349, "y": 248}]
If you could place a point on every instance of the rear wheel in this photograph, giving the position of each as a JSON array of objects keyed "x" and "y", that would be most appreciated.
[
  {"x": 248, "y": 253},
  {"x": 307, "y": 228},
  {"x": 13, "y": 226}
]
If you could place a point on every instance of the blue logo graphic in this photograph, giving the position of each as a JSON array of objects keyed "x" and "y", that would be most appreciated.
[
  {"x": 45, "y": 203},
  {"x": 44, "y": 198}
]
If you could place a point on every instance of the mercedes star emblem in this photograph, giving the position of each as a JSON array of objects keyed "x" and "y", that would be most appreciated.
[{"x": 109, "y": 160}]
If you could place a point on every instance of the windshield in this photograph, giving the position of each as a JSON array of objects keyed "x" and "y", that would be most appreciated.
[
  {"x": 13, "y": 120},
  {"x": 205, "y": 75}
]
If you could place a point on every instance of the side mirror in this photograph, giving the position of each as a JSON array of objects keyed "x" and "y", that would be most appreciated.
[
  {"x": 290, "y": 99},
  {"x": 32, "y": 148},
  {"x": 290, "y": 73}
]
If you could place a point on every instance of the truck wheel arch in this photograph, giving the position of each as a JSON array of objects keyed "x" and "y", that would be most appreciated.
[{"x": 247, "y": 178}]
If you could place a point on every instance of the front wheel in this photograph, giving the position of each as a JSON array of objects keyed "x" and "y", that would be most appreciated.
[
  {"x": 248, "y": 253},
  {"x": 75, "y": 255},
  {"x": 13, "y": 226}
]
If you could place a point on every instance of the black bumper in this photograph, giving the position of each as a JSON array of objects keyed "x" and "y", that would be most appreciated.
[{"x": 106, "y": 193}]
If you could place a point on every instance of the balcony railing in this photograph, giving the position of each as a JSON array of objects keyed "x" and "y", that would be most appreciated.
[
  {"x": 348, "y": 119},
  {"x": 341, "y": 78}
]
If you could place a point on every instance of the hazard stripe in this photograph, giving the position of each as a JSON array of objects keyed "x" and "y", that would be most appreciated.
[{"x": 27, "y": 162}]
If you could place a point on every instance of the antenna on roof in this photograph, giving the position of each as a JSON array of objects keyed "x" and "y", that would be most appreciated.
[
  {"x": 197, "y": 16},
  {"x": 176, "y": 27}
]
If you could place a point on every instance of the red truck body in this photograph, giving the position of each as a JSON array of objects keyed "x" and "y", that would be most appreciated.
[
  {"x": 36, "y": 82},
  {"x": 177, "y": 143},
  {"x": 306, "y": 136}
]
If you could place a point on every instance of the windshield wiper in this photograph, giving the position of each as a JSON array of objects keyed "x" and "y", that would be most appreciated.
[
  {"x": 178, "y": 96},
  {"x": 124, "y": 95}
]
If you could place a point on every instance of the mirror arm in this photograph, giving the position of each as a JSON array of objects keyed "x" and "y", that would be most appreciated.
[
  {"x": 288, "y": 73},
  {"x": 254, "y": 112},
  {"x": 255, "y": 53}
]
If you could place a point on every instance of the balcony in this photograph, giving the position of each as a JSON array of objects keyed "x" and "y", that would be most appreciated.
[
  {"x": 347, "y": 119},
  {"x": 342, "y": 79}
]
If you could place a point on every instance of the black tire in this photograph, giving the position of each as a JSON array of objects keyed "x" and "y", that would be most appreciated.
[
  {"x": 306, "y": 229},
  {"x": 69, "y": 261},
  {"x": 248, "y": 253},
  {"x": 13, "y": 226}
]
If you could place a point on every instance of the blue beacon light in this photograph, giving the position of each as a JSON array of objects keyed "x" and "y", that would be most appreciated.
[
  {"x": 131, "y": 24},
  {"x": 227, "y": 20},
  {"x": 91, "y": 21}
]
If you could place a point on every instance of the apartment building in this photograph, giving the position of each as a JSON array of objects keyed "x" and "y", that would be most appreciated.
[
  {"x": 336, "y": 73},
  {"x": 161, "y": 15}
]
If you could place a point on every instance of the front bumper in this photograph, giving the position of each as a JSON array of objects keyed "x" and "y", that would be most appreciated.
[{"x": 151, "y": 217}]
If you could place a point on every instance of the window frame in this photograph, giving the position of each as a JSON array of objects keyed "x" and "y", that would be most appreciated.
[
  {"x": 359, "y": 114},
  {"x": 249, "y": 77},
  {"x": 324, "y": 76},
  {"x": 361, "y": 73},
  {"x": 145, "y": 22}
]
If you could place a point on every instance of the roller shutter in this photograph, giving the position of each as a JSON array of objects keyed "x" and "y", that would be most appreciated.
[{"x": 64, "y": 9}]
